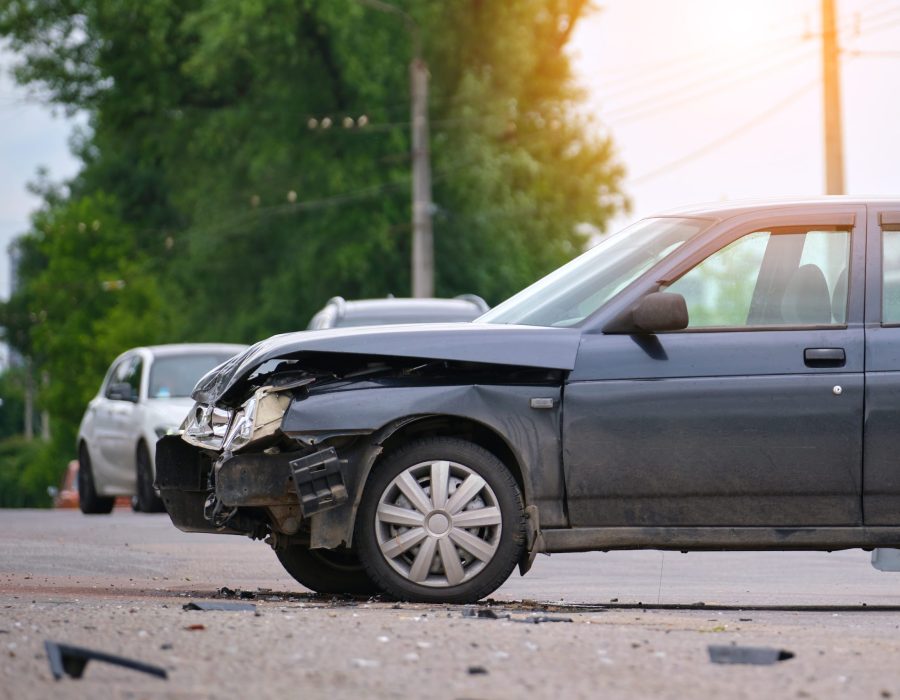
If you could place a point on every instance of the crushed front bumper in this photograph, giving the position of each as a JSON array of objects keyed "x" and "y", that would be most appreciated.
[{"x": 192, "y": 486}]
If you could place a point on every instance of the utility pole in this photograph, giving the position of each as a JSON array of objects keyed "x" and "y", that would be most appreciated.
[
  {"x": 29, "y": 402},
  {"x": 831, "y": 79},
  {"x": 422, "y": 272},
  {"x": 423, "y": 238}
]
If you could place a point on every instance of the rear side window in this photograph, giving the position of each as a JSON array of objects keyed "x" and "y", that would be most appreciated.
[{"x": 890, "y": 277}]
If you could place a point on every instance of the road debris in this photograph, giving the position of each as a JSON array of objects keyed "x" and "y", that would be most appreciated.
[
  {"x": 219, "y": 605},
  {"x": 756, "y": 656},
  {"x": 226, "y": 592},
  {"x": 483, "y": 613},
  {"x": 66, "y": 659},
  {"x": 534, "y": 618},
  {"x": 195, "y": 628},
  {"x": 477, "y": 671}
]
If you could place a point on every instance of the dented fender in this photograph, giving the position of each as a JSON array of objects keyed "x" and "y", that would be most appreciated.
[{"x": 378, "y": 413}]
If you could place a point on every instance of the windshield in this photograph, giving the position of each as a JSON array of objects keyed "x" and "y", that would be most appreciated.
[
  {"x": 174, "y": 376},
  {"x": 576, "y": 290}
]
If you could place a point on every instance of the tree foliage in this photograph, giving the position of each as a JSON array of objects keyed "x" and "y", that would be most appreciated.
[{"x": 233, "y": 200}]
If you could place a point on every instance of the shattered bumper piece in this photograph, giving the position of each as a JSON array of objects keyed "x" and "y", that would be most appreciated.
[
  {"x": 754, "y": 656},
  {"x": 66, "y": 659}
]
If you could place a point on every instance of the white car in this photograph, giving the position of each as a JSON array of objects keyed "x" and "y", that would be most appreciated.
[{"x": 145, "y": 395}]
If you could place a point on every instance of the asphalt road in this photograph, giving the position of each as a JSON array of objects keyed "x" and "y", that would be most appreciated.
[{"x": 640, "y": 625}]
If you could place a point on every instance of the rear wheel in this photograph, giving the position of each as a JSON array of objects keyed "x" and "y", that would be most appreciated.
[
  {"x": 147, "y": 500},
  {"x": 89, "y": 501},
  {"x": 441, "y": 520},
  {"x": 327, "y": 570}
]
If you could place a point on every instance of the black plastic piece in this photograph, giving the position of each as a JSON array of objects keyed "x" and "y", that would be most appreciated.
[
  {"x": 180, "y": 466},
  {"x": 483, "y": 613},
  {"x": 319, "y": 481},
  {"x": 754, "y": 656},
  {"x": 254, "y": 480},
  {"x": 66, "y": 659},
  {"x": 219, "y": 605}
]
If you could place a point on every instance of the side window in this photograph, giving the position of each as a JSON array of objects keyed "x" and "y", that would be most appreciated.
[
  {"x": 116, "y": 376},
  {"x": 127, "y": 371},
  {"x": 134, "y": 377},
  {"x": 890, "y": 277},
  {"x": 782, "y": 277}
]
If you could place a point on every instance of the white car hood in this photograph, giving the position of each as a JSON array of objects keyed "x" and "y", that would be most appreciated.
[{"x": 168, "y": 413}]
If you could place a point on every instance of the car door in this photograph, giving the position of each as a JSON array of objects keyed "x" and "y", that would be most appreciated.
[
  {"x": 881, "y": 493},
  {"x": 751, "y": 416},
  {"x": 103, "y": 440},
  {"x": 114, "y": 418}
]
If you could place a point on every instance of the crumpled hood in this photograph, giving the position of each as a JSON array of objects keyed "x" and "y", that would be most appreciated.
[{"x": 522, "y": 346}]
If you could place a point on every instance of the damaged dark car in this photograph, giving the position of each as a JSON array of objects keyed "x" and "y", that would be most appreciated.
[{"x": 719, "y": 378}]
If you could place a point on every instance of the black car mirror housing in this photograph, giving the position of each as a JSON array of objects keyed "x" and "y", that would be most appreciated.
[{"x": 655, "y": 312}]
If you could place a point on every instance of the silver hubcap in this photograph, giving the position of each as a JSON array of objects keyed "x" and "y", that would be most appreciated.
[{"x": 438, "y": 524}]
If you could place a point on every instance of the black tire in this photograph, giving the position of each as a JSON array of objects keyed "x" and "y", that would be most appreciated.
[
  {"x": 89, "y": 501},
  {"x": 499, "y": 499},
  {"x": 147, "y": 501},
  {"x": 327, "y": 570}
]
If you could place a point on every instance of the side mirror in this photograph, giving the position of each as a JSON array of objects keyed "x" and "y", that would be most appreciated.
[
  {"x": 121, "y": 391},
  {"x": 658, "y": 311}
]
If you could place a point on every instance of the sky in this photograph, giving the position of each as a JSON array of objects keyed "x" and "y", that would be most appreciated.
[
  {"x": 705, "y": 100},
  {"x": 709, "y": 100}
]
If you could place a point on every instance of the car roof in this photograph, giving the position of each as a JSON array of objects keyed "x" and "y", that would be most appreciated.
[
  {"x": 727, "y": 209},
  {"x": 341, "y": 312},
  {"x": 193, "y": 349}
]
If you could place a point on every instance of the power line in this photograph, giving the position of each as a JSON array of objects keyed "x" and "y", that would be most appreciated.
[
  {"x": 735, "y": 62},
  {"x": 856, "y": 53},
  {"x": 683, "y": 94},
  {"x": 646, "y": 70},
  {"x": 239, "y": 221},
  {"x": 725, "y": 138},
  {"x": 880, "y": 27},
  {"x": 877, "y": 15}
]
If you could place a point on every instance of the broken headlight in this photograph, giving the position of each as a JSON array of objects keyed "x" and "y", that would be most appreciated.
[
  {"x": 259, "y": 417},
  {"x": 205, "y": 426}
]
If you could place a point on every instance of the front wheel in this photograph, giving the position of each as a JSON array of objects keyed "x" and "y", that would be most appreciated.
[
  {"x": 89, "y": 501},
  {"x": 441, "y": 521},
  {"x": 327, "y": 570}
]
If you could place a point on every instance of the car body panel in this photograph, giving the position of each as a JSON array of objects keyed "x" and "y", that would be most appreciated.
[
  {"x": 551, "y": 348},
  {"x": 881, "y": 473},
  {"x": 532, "y": 435},
  {"x": 720, "y": 427}
]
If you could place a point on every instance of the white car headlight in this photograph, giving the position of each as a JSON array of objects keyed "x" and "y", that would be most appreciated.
[
  {"x": 205, "y": 426},
  {"x": 260, "y": 416}
]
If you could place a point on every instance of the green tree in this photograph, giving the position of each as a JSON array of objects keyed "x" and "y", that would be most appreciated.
[
  {"x": 233, "y": 200},
  {"x": 86, "y": 297}
]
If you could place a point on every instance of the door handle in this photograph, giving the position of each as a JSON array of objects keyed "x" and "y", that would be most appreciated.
[{"x": 824, "y": 357}]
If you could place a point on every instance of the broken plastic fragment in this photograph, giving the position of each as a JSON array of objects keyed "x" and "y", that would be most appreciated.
[
  {"x": 538, "y": 619},
  {"x": 756, "y": 656},
  {"x": 220, "y": 605},
  {"x": 66, "y": 659},
  {"x": 484, "y": 613}
]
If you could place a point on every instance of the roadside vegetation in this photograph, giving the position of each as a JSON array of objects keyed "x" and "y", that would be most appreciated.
[{"x": 244, "y": 161}]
